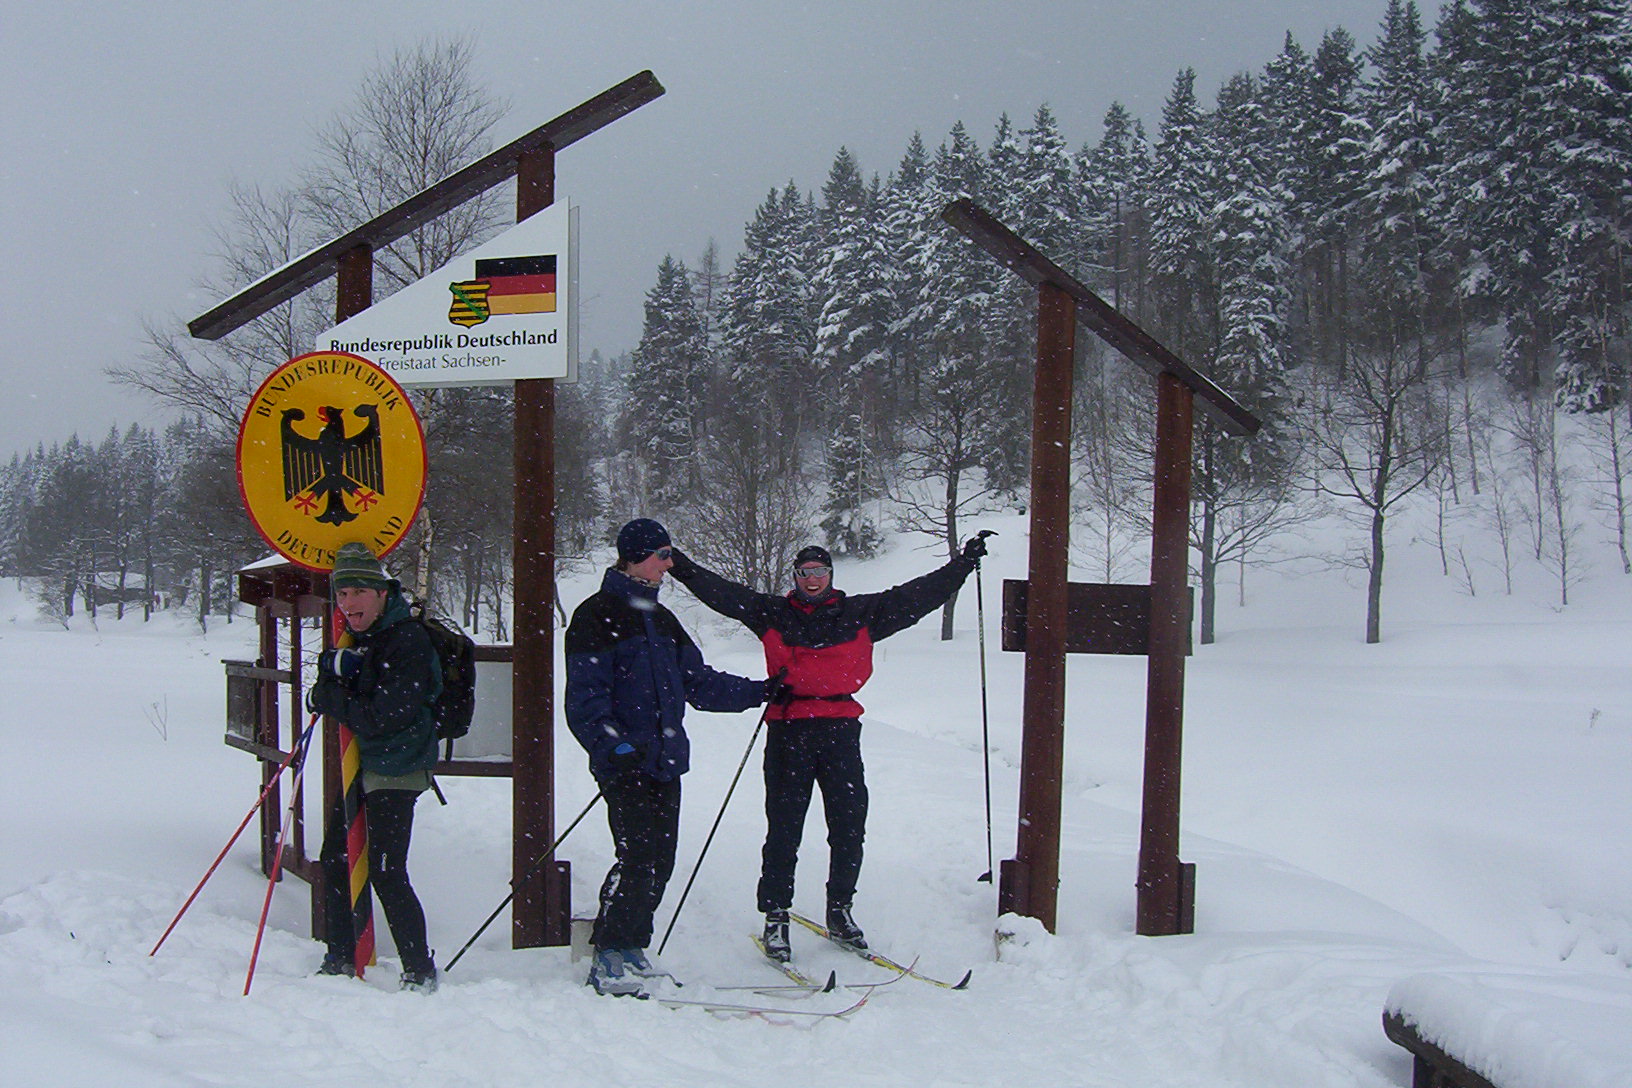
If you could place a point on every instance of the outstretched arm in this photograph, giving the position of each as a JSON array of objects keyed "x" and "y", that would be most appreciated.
[
  {"x": 900, "y": 607},
  {"x": 724, "y": 596},
  {"x": 708, "y": 688}
]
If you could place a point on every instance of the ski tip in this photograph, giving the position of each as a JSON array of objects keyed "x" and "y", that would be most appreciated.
[
  {"x": 963, "y": 983},
  {"x": 832, "y": 982}
]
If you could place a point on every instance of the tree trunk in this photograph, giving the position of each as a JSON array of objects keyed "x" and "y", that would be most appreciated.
[
  {"x": 1374, "y": 583},
  {"x": 203, "y": 594},
  {"x": 422, "y": 581},
  {"x": 949, "y": 609},
  {"x": 124, "y": 572},
  {"x": 1209, "y": 571},
  {"x": 1209, "y": 533}
]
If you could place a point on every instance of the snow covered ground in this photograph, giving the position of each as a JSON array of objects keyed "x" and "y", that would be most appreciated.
[{"x": 1455, "y": 799}]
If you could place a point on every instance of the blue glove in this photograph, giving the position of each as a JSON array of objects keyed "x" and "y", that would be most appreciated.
[
  {"x": 625, "y": 758},
  {"x": 343, "y": 662}
]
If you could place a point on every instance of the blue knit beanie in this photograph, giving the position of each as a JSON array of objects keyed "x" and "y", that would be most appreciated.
[{"x": 640, "y": 538}]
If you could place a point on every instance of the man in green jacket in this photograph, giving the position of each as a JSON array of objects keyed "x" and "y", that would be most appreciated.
[{"x": 382, "y": 688}]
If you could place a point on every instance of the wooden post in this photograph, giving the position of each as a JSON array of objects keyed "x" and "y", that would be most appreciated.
[
  {"x": 1166, "y": 885},
  {"x": 541, "y": 914},
  {"x": 1030, "y": 884},
  {"x": 1166, "y": 893}
]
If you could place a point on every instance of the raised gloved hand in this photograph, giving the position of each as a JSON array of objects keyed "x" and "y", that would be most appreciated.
[
  {"x": 975, "y": 546},
  {"x": 343, "y": 662},
  {"x": 625, "y": 758}
]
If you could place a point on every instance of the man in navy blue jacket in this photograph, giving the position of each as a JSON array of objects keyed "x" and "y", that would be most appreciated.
[{"x": 631, "y": 670}]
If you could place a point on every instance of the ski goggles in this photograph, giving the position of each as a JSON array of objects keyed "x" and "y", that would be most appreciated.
[{"x": 812, "y": 572}]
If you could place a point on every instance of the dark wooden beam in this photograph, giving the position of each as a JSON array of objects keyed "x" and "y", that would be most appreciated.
[
  {"x": 499, "y": 166},
  {"x": 541, "y": 914},
  {"x": 1033, "y": 885},
  {"x": 1432, "y": 1066},
  {"x": 1020, "y": 257},
  {"x": 1163, "y": 907}
]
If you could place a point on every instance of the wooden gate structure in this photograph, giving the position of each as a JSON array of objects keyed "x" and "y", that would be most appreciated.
[
  {"x": 1030, "y": 880},
  {"x": 541, "y": 912}
]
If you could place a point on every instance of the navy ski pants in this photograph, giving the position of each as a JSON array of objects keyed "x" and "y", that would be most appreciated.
[
  {"x": 800, "y": 755},
  {"x": 644, "y": 815}
]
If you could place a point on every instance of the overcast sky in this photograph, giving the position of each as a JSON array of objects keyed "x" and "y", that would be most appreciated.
[{"x": 124, "y": 124}]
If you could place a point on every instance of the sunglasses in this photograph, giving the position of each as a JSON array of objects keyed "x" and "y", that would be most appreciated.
[
  {"x": 812, "y": 572},
  {"x": 664, "y": 553}
]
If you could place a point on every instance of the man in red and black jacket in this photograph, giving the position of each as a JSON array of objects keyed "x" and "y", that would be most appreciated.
[{"x": 824, "y": 638}]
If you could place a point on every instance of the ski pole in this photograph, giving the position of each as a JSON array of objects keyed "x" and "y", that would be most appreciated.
[
  {"x": 277, "y": 871},
  {"x": 985, "y": 730},
  {"x": 694, "y": 869},
  {"x": 300, "y": 741},
  {"x": 522, "y": 879}
]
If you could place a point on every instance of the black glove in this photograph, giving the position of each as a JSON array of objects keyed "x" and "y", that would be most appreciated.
[
  {"x": 625, "y": 758},
  {"x": 777, "y": 690},
  {"x": 975, "y": 547}
]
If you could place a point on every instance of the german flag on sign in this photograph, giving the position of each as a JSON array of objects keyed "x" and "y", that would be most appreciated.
[{"x": 519, "y": 285}]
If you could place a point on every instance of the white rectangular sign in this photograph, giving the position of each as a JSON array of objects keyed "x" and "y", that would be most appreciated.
[{"x": 502, "y": 312}]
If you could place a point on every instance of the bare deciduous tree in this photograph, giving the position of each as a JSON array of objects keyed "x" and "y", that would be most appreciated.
[
  {"x": 941, "y": 481},
  {"x": 417, "y": 118},
  {"x": 1610, "y": 446},
  {"x": 1373, "y": 442},
  {"x": 751, "y": 513}
]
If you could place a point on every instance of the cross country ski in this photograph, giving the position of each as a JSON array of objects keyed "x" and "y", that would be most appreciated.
[{"x": 881, "y": 960}]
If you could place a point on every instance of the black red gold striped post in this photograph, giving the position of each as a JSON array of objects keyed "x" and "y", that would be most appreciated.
[{"x": 354, "y": 294}]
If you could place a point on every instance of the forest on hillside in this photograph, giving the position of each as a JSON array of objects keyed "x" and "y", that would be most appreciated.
[{"x": 1409, "y": 260}]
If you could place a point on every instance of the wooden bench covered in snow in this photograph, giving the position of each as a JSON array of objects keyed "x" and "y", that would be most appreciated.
[{"x": 1508, "y": 1029}]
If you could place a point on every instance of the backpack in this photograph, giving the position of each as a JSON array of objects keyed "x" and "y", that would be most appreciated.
[{"x": 456, "y": 705}]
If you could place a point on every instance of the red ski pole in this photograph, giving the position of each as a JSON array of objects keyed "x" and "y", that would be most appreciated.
[
  {"x": 295, "y": 748},
  {"x": 272, "y": 881}
]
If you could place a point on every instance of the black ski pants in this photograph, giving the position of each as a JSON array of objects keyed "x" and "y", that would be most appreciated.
[
  {"x": 799, "y": 755},
  {"x": 390, "y": 816},
  {"x": 644, "y": 815}
]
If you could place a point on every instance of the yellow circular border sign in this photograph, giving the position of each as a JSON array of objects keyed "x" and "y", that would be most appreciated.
[{"x": 330, "y": 451}]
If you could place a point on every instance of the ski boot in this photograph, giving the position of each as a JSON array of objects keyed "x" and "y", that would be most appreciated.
[
  {"x": 842, "y": 928},
  {"x": 335, "y": 963},
  {"x": 420, "y": 979},
  {"x": 775, "y": 939},
  {"x": 609, "y": 977}
]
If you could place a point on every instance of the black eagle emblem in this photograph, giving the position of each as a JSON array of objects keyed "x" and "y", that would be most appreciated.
[{"x": 332, "y": 466}]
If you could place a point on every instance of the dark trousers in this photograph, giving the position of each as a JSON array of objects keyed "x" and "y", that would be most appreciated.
[
  {"x": 823, "y": 752},
  {"x": 390, "y": 825},
  {"x": 644, "y": 815}
]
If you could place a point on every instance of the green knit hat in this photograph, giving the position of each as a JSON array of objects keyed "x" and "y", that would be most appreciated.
[{"x": 355, "y": 565}]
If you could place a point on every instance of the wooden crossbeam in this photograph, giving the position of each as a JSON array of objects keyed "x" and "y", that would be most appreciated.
[
  {"x": 313, "y": 268},
  {"x": 1020, "y": 257}
]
